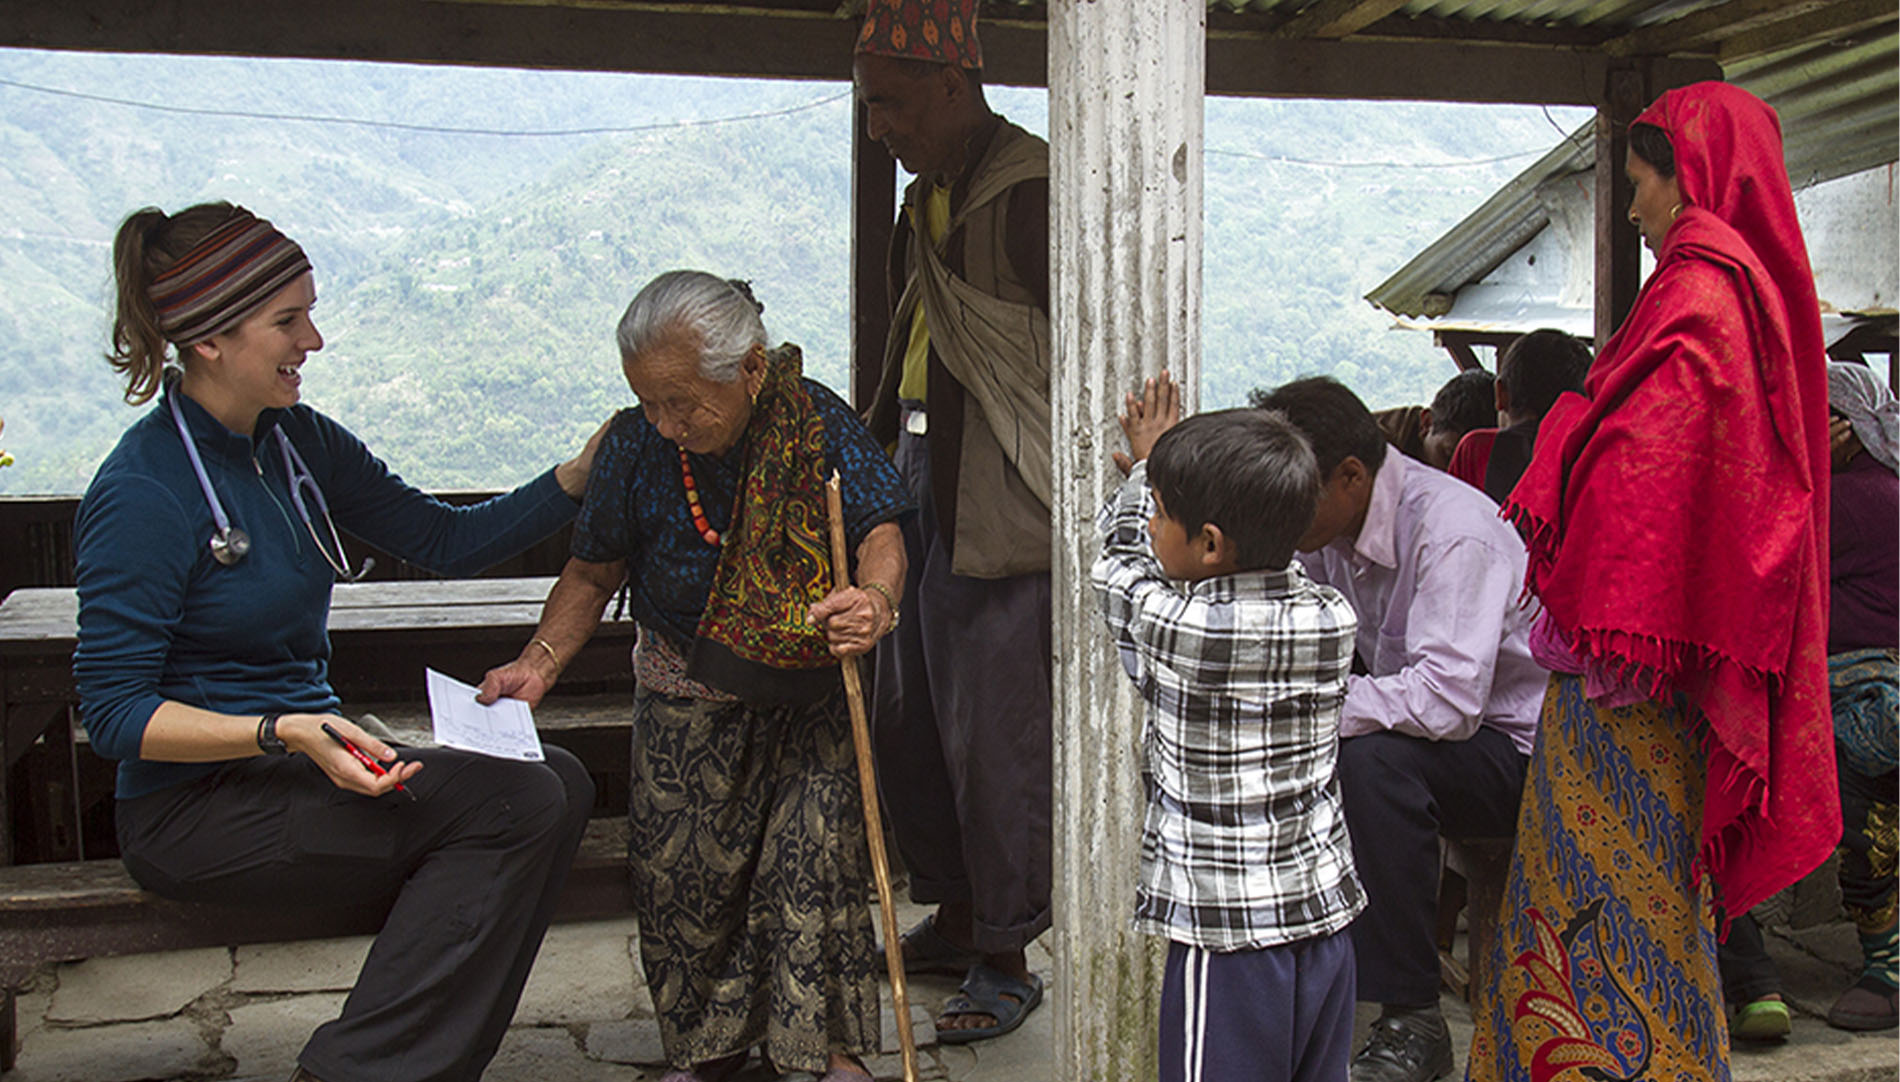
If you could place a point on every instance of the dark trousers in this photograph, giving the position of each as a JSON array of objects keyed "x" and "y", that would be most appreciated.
[
  {"x": 1867, "y": 843},
  {"x": 1279, "y": 1014},
  {"x": 1748, "y": 973},
  {"x": 1401, "y": 794},
  {"x": 470, "y": 870},
  {"x": 962, "y": 732}
]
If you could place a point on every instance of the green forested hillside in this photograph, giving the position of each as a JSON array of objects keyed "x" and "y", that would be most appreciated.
[{"x": 469, "y": 284}]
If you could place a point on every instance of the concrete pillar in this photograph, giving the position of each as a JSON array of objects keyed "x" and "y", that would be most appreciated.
[{"x": 1126, "y": 82}]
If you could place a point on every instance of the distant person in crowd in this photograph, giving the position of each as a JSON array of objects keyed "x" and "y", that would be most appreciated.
[
  {"x": 1678, "y": 533},
  {"x": 1863, "y": 646},
  {"x": 750, "y": 867},
  {"x": 1532, "y": 372},
  {"x": 1431, "y": 433},
  {"x": 1438, "y": 727},
  {"x": 1466, "y": 401},
  {"x": 962, "y": 710},
  {"x": 1404, "y": 427},
  {"x": 206, "y": 548},
  {"x": 1241, "y": 660},
  {"x": 1863, "y": 634}
]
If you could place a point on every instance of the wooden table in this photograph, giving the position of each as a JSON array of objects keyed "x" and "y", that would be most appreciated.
[{"x": 382, "y": 635}]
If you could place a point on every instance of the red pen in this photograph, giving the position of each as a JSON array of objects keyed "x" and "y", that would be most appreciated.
[{"x": 363, "y": 757}]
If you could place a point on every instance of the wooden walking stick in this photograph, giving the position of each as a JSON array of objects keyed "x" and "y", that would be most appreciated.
[{"x": 867, "y": 790}]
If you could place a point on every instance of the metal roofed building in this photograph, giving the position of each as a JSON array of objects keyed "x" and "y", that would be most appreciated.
[{"x": 1524, "y": 258}]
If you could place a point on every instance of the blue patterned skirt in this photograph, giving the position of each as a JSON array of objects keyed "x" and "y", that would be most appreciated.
[{"x": 1605, "y": 951}]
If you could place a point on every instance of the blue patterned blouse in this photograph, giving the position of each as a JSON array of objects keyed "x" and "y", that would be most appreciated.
[{"x": 636, "y": 508}]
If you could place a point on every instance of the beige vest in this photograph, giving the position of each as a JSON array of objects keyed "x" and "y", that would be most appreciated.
[{"x": 986, "y": 329}]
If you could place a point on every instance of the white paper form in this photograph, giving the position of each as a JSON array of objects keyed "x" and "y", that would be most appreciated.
[{"x": 503, "y": 729}]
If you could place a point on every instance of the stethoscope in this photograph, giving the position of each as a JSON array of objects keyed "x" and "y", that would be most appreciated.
[{"x": 229, "y": 545}]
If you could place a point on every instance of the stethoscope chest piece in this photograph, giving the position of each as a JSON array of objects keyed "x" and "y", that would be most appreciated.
[{"x": 229, "y": 546}]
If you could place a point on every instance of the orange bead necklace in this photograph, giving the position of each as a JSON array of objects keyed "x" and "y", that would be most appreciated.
[{"x": 692, "y": 502}]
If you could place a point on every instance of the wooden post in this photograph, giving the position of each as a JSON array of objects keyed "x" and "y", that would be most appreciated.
[
  {"x": 1618, "y": 246},
  {"x": 873, "y": 208},
  {"x": 1126, "y": 82}
]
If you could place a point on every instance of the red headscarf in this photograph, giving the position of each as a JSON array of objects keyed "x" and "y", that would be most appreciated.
[{"x": 1677, "y": 519}]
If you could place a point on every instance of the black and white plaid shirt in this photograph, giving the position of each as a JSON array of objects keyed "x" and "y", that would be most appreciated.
[{"x": 1244, "y": 844}]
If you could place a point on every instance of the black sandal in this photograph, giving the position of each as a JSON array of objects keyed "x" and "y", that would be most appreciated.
[{"x": 992, "y": 993}]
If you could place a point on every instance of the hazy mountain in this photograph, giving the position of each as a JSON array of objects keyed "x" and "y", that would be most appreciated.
[{"x": 470, "y": 283}]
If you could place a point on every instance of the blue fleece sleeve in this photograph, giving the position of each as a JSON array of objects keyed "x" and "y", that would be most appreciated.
[
  {"x": 370, "y": 501},
  {"x": 134, "y": 562}
]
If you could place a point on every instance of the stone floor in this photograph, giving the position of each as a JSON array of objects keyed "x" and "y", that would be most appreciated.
[{"x": 585, "y": 1017}]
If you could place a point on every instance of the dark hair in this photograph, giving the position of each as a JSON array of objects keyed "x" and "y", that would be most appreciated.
[
  {"x": 1248, "y": 471},
  {"x": 1465, "y": 402},
  {"x": 147, "y": 243},
  {"x": 1332, "y": 419},
  {"x": 1541, "y": 365},
  {"x": 1652, "y": 145}
]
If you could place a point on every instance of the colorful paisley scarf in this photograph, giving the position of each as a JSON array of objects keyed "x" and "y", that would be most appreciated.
[{"x": 754, "y": 640}]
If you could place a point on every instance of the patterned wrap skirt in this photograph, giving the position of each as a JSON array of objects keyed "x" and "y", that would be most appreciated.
[
  {"x": 1605, "y": 951},
  {"x": 751, "y": 880}
]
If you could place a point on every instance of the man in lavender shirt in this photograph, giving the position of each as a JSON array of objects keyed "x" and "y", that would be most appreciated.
[{"x": 1441, "y": 714}]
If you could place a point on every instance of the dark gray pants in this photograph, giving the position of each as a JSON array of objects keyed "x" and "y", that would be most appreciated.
[
  {"x": 962, "y": 732},
  {"x": 471, "y": 870},
  {"x": 1401, "y": 793}
]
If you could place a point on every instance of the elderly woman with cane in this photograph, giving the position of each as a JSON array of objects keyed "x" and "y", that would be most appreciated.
[{"x": 707, "y": 505}]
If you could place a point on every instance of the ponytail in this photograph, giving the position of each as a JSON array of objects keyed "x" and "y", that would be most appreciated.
[{"x": 147, "y": 243}]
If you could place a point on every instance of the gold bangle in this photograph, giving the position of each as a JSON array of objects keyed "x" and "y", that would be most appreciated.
[
  {"x": 889, "y": 599},
  {"x": 545, "y": 645}
]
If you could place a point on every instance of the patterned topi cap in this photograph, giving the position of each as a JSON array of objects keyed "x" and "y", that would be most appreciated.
[{"x": 940, "y": 31}]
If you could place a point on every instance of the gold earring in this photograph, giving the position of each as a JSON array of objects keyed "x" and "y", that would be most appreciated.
[{"x": 1675, "y": 210}]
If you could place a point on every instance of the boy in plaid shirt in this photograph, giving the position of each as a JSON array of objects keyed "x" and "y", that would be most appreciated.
[{"x": 1242, "y": 660}]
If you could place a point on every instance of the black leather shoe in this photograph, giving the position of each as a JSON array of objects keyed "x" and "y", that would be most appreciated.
[{"x": 1409, "y": 1051}]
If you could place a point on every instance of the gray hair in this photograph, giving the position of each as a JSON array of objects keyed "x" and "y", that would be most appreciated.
[{"x": 720, "y": 315}]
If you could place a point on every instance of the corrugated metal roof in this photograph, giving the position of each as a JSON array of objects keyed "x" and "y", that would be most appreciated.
[{"x": 1839, "y": 101}]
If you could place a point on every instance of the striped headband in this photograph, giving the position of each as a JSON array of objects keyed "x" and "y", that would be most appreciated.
[{"x": 225, "y": 277}]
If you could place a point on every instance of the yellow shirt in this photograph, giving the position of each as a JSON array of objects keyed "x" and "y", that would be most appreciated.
[{"x": 917, "y": 354}]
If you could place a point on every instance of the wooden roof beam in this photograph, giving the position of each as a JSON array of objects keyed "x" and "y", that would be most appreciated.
[
  {"x": 1387, "y": 70},
  {"x": 1333, "y": 19},
  {"x": 759, "y": 44},
  {"x": 1702, "y": 30},
  {"x": 1839, "y": 19}
]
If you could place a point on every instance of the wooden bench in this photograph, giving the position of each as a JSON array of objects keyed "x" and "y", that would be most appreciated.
[{"x": 93, "y": 909}]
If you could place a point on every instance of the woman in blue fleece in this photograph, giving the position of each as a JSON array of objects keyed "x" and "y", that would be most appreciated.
[{"x": 204, "y": 670}]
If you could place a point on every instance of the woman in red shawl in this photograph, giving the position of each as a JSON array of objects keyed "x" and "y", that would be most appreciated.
[{"x": 1677, "y": 525}]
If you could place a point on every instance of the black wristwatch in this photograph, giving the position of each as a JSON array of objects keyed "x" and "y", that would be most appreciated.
[{"x": 267, "y": 739}]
